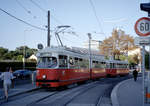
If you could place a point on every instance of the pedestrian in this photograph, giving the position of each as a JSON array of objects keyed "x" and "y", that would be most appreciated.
[
  {"x": 12, "y": 80},
  {"x": 6, "y": 76},
  {"x": 135, "y": 74}
]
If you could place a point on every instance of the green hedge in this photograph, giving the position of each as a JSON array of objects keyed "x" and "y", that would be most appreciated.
[{"x": 17, "y": 65}]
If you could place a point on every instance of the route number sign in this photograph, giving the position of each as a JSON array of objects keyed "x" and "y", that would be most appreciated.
[{"x": 142, "y": 26}]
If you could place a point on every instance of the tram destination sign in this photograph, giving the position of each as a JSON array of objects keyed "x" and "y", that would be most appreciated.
[{"x": 142, "y": 26}]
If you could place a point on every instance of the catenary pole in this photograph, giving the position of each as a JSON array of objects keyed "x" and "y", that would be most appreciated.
[
  {"x": 48, "y": 30},
  {"x": 90, "y": 61}
]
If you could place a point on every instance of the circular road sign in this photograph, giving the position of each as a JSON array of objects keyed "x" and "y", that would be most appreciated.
[{"x": 142, "y": 26}]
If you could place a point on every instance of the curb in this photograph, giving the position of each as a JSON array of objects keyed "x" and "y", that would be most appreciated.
[{"x": 114, "y": 97}]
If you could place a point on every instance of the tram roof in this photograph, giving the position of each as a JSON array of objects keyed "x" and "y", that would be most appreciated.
[{"x": 73, "y": 51}]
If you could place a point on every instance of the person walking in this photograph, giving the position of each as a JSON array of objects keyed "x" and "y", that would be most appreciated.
[
  {"x": 12, "y": 80},
  {"x": 7, "y": 77},
  {"x": 135, "y": 74}
]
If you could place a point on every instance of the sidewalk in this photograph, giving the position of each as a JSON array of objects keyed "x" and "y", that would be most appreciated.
[
  {"x": 18, "y": 90},
  {"x": 128, "y": 93}
]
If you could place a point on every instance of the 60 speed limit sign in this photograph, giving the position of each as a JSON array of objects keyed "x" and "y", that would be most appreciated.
[{"x": 142, "y": 26}]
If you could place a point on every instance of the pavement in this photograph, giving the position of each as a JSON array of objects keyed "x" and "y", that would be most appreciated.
[
  {"x": 18, "y": 89},
  {"x": 128, "y": 93}
]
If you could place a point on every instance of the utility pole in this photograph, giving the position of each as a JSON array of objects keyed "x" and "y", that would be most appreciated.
[
  {"x": 90, "y": 60},
  {"x": 48, "y": 30}
]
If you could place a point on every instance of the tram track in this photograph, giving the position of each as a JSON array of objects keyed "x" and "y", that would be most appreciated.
[
  {"x": 27, "y": 98},
  {"x": 65, "y": 98},
  {"x": 69, "y": 96},
  {"x": 34, "y": 102},
  {"x": 104, "y": 99},
  {"x": 25, "y": 93}
]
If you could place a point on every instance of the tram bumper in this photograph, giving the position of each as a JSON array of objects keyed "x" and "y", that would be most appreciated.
[{"x": 47, "y": 83}]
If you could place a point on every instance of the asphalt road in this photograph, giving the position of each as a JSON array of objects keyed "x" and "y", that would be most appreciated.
[{"x": 93, "y": 93}]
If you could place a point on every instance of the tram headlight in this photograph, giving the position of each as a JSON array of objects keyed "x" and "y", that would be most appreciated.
[{"x": 44, "y": 76}]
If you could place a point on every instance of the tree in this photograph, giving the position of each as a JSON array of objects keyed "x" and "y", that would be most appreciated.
[
  {"x": 133, "y": 59},
  {"x": 28, "y": 52},
  {"x": 117, "y": 44},
  {"x": 3, "y": 51},
  {"x": 5, "y": 54}
]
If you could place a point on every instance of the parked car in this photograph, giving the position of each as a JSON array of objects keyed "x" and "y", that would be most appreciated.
[{"x": 22, "y": 74}]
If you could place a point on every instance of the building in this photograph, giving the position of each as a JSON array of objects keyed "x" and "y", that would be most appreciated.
[
  {"x": 94, "y": 44},
  {"x": 32, "y": 57}
]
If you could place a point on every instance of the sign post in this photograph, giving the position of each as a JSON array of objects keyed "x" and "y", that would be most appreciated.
[
  {"x": 142, "y": 28},
  {"x": 145, "y": 7}
]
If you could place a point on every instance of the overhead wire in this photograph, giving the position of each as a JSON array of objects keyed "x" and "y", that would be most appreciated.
[
  {"x": 21, "y": 5},
  {"x": 45, "y": 11},
  {"x": 94, "y": 10},
  {"x": 36, "y": 4},
  {"x": 53, "y": 17},
  {"x": 22, "y": 20}
]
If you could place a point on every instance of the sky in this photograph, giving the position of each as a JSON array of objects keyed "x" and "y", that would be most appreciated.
[{"x": 98, "y": 17}]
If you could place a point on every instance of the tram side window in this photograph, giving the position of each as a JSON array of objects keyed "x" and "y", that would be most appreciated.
[
  {"x": 63, "y": 61},
  {"x": 118, "y": 66},
  {"x": 80, "y": 62},
  {"x": 114, "y": 65},
  {"x": 108, "y": 65},
  {"x": 76, "y": 62},
  {"x": 83, "y": 63},
  {"x": 71, "y": 62},
  {"x": 124, "y": 66},
  {"x": 103, "y": 65},
  {"x": 96, "y": 64},
  {"x": 121, "y": 66},
  {"x": 111, "y": 65}
]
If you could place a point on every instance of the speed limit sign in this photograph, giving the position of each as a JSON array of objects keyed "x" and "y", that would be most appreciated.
[{"x": 142, "y": 26}]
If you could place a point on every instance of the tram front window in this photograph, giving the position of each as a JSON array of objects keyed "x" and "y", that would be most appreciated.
[{"x": 47, "y": 62}]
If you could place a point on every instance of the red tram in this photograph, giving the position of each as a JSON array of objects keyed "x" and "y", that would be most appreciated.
[{"x": 60, "y": 66}]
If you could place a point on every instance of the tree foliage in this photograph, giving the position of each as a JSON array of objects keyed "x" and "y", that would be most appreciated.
[
  {"x": 18, "y": 54},
  {"x": 117, "y": 44}
]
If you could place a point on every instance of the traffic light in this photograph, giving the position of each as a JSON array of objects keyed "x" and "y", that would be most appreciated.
[{"x": 145, "y": 7}]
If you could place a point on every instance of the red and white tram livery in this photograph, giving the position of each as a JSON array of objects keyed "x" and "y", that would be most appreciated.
[{"x": 60, "y": 66}]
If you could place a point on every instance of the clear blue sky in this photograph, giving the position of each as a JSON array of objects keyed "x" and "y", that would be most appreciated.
[{"x": 78, "y": 14}]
